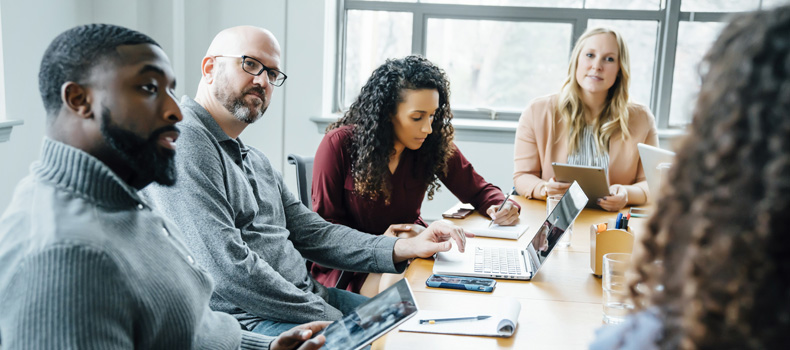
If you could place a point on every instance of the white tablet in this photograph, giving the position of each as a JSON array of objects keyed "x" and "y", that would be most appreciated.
[
  {"x": 372, "y": 319},
  {"x": 593, "y": 180}
]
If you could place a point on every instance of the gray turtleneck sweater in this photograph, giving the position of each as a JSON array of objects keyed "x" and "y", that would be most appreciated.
[{"x": 85, "y": 264}]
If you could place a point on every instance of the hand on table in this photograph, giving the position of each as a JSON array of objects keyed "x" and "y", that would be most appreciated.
[
  {"x": 554, "y": 188},
  {"x": 616, "y": 200},
  {"x": 430, "y": 241},
  {"x": 404, "y": 230},
  {"x": 508, "y": 216},
  {"x": 300, "y": 335}
]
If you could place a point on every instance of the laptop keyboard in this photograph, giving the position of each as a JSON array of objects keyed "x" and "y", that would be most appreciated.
[{"x": 497, "y": 260}]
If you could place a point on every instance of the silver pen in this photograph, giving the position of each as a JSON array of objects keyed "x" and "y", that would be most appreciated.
[{"x": 503, "y": 204}]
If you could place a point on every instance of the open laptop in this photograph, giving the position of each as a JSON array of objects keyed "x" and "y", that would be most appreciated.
[
  {"x": 654, "y": 161},
  {"x": 515, "y": 263}
]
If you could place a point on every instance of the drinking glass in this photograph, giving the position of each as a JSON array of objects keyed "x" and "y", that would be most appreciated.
[
  {"x": 615, "y": 289},
  {"x": 551, "y": 202}
]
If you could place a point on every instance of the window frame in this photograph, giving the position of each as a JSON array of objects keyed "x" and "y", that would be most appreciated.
[{"x": 668, "y": 19}]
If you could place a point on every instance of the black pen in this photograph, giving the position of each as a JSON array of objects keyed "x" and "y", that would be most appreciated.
[
  {"x": 471, "y": 318},
  {"x": 503, "y": 205}
]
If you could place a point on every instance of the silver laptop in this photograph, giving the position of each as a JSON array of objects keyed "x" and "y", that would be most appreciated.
[
  {"x": 512, "y": 262},
  {"x": 655, "y": 161}
]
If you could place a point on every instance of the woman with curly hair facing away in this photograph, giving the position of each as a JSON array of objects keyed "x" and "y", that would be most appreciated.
[
  {"x": 395, "y": 143},
  {"x": 714, "y": 268},
  {"x": 590, "y": 122}
]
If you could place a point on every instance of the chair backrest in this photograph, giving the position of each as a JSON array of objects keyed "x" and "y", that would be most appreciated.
[
  {"x": 304, "y": 177},
  {"x": 304, "y": 185}
]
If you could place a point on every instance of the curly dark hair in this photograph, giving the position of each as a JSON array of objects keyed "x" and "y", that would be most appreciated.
[
  {"x": 73, "y": 53},
  {"x": 371, "y": 114},
  {"x": 716, "y": 257}
]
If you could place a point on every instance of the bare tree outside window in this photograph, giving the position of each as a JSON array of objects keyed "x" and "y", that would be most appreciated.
[
  {"x": 500, "y": 58},
  {"x": 371, "y": 38},
  {"x": 497, "y": 64}
]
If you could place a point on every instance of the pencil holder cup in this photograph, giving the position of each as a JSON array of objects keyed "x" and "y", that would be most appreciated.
[{"x": 608, "y": 241}]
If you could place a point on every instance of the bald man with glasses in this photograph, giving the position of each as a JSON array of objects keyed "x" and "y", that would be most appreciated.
[{"x": 242, "y": 224}]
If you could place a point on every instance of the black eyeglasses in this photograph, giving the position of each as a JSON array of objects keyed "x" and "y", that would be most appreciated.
[{"x": 255, "y": 67}]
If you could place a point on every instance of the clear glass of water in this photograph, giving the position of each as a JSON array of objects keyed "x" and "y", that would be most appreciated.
[
  {"x": 615, "y": 289},
  {"x": 551, "y": 202}
]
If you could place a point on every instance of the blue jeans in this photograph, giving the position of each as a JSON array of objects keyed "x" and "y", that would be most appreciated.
[{"x": 342, "y": 300}]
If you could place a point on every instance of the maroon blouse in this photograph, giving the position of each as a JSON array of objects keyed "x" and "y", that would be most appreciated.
[{"x": 335, "y": 200}]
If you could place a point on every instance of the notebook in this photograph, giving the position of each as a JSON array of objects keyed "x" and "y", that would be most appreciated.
[
  {"x": 503, "y": 321},
  {"x": 496, "y": 231},
  {"x": 515, "y": 262}
]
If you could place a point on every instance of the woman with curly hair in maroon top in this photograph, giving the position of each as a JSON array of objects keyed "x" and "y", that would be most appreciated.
[{"x": 394, "y": 145}]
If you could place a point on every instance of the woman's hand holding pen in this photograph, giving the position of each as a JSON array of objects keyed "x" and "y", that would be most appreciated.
[
  {"x": 615, "y": 201},
  {"x": 507, "y": 216}
]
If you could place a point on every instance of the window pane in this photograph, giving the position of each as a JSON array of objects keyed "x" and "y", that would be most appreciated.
[
  {"x": 530, "y": 3},
  {"x": 718, "y": 5},
  {"x": 392, "y": 0},
  {"x": 497, "y": 64},
  {"x": 640, "y": 37},
  {"x": 769, "y": 4},
  {"x": 371, "y": 38},
  {"x": 694, "y": 40},
  {"x": 624, "y": 5}
]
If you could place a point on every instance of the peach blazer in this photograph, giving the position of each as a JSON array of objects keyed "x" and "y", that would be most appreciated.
[{"x": 542, "y": 138}]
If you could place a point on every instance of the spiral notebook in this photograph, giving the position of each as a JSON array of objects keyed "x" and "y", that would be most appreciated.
[{"x": 503, "y": 321}]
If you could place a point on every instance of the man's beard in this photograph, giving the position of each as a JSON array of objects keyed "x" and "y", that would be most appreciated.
[
  {"x": 239, "y": 108},
  {"x": 148, "y": 160},
  {"x": 236, "y": 104}
]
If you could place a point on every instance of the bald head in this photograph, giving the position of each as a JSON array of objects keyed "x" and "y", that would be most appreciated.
[
  {"x": 229, "y": 88},
  {"x": 236, "y": 40}
]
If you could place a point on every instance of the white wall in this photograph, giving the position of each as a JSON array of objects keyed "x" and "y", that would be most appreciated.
[
  {"x": 185, "y": 28},
  {"x": 306, "y": 52},
  {"x": 29, "y": 26},
  {"x": 27, "y": 29}
]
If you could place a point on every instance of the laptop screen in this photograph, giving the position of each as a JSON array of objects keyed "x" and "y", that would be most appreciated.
[
  {"x": 555, "y": 225},
  {"x": 654, "y": 161}
]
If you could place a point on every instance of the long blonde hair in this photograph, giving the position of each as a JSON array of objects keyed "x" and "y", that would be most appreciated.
[{"x": 614, "y": 116}]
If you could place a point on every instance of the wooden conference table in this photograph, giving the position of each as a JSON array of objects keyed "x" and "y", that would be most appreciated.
[{"x": 560, "y": 308}]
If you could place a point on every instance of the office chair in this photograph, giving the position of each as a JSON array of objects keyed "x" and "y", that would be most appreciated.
[
  {"x": 304, "y": 185},
  {"x": 304, "y": 177}
]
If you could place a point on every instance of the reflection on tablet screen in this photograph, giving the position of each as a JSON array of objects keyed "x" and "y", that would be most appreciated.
[{"x": 372, "y": 319}]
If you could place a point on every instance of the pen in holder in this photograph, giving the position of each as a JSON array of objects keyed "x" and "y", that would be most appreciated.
[{"x": 608, "y": 241}]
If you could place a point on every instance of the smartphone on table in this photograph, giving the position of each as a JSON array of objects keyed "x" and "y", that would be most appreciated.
[
  {"x": 639, "y": 212},
  {"x": 457, "y": 214},
  {"x": 463, "y": 283}
]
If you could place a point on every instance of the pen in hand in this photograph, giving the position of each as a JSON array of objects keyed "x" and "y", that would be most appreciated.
[
  {"x": 471, "y": 318},
  {"x": 503, "y": 204}
]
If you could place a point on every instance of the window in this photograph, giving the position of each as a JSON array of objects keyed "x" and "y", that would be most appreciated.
[
  {"x": 500, "y": 54},
  {"x": 373, "y": 36},
  {"x": 694, "y": 39},
  {"x": 495, "y": 64}
]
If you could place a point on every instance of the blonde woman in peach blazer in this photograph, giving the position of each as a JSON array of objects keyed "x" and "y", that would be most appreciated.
[{"x": 590, "y": 122}]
